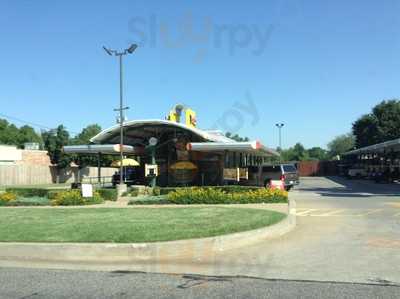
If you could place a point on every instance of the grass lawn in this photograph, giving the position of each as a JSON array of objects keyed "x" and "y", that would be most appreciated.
[{"x": 125, "y": 225}]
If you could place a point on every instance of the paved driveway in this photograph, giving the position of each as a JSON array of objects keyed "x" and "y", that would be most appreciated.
[{"x": 347, "y": 231}]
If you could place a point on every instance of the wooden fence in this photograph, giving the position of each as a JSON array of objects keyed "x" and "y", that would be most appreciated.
[
  {"x": 317, "y": 168},
  {"x": 37, "y": 175}
]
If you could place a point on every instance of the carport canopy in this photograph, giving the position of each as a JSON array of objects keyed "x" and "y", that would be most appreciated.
[{"x": 391, "y": 145}]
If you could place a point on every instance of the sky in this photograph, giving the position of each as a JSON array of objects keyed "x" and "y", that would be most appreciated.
[{"x": 243, "y": 66}]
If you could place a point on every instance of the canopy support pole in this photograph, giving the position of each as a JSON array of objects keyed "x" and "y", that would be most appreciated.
[{"x": 99, "y": 168}]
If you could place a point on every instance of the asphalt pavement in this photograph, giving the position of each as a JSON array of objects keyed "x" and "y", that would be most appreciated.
[{"x": 28, "y": 283}]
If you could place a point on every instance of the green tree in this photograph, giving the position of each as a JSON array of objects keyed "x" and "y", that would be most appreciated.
[
  {"x": 86, "y": 134},
  {"x": 28, "y": 134},
  {"x": 9, "y": 133},
  {"x": 295, "y": 153},
  {"x": 388, "y": 116},
  {"x": 54, "y": 140},
  {"x": 366, "y": 131},
  {"x": 382, "y": 124},
  {"x": 12, "y": 135},
  {"x": 341, "y": 144},
  {"x": 317, "y": 153}
]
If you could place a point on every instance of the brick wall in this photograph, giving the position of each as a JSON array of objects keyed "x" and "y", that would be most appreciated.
[
  {"x": 318, "y": 168},
  {"x": 38, "y": 158}
]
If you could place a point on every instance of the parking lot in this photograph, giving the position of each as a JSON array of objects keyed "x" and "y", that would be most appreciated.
[
  {"x": 347, "y": 231},
  {"x": 339, "y": 197}
]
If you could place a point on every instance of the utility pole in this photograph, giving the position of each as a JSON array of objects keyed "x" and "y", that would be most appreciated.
[
  {"x": 121, "y": 109},
  {"x": 280, "y": 126}
]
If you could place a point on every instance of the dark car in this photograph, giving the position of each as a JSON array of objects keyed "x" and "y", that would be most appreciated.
[
  {"x": 130, "y": 176},
  {"x": 263, "y": 175}
]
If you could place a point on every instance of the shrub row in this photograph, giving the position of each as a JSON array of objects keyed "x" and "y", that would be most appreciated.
[
  {"x": 143, "y": 191},
  {"x": 209, "y": 195},
  {"x": 33, "y": 192},
  {"x": 166, "y": 190},
  {"x": 75, "y": 198},
  {"x": 41, "y": 197},
  {"x": 10, "y": 199},
  {"x": 216, "y": 195},
  {"x": 108, "y": 194},
  {"x": 25, "y": 202},
  {"x": 28, "y": 192},
  {"x": 150, "y": 200}
]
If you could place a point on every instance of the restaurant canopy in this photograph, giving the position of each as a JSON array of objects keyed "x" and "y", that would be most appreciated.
[
  {"x": 98, "y": 149},
  {"x": 138, "y": 132}
]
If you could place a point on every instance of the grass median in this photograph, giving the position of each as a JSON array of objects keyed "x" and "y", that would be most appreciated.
[{"x": 128, "y": 225}]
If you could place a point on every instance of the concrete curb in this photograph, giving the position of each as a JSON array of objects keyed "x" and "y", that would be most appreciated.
[{"x": 143, "y": 252}]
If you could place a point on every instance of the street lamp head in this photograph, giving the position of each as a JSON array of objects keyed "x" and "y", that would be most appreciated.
[
  {"x": 280, "y": 125},
  {"x": 132, "y": 48},
  {"x": 109, "y": 52}
]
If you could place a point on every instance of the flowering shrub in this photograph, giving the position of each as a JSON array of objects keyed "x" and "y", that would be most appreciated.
[
  {"x": 209, "y": 195},
  {"x": 74, "y": 198},
  {"x": 8, "y": 196}
]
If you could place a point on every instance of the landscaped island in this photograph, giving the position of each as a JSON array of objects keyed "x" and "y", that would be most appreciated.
[{"x": 128, "y": 225}]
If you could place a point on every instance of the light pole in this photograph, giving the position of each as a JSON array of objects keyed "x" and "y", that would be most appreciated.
[
  {"x": 280, "y": 126},
  {"x": 121, "y": 108}
]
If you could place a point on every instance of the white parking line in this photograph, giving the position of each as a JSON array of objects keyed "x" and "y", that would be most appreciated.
[
  {"x": 306, "y": 212},
  {"x": 369, "y": 213},
  {"x": 340, "y": 213},
  {"x": 331, "y": 213}
]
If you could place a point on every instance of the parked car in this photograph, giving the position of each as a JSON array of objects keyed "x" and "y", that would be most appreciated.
[
  {"x": 263, "y": 175},
  {"x": 130, "y": 176}
]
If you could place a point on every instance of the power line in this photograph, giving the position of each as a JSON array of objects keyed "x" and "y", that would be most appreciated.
[{"x": 31, "y": 123}]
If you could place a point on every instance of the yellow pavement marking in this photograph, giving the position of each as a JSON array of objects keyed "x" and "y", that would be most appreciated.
[{"x": 306, "y": 212}]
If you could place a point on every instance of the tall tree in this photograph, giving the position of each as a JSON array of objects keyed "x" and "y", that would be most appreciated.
[
  {"x": 9, "y": 133},
  {"x": 381, "y": 125},
  {"x": 341, "y": 144},
  {"x": 388, "y": 116},
  {"x": 366, "y": 131},
  {"x": 54, "y": 140},
  {"x": 317, "y": 153},
  {"x": 28, "y": 134},
  {"x": 86, "y": 134},
  {"x": 12, "y": 135},
  {"x": 295, "y": 153}
]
